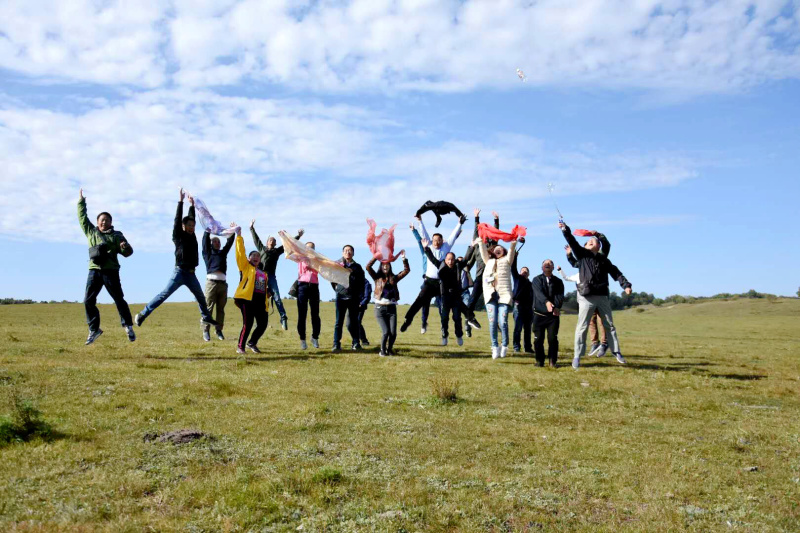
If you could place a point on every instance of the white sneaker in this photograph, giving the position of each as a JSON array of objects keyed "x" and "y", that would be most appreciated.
[
  {"x": 460, "y": 341},
  {"x": 503, "y": 351},
  {"x": 444, "y": 341},
  {"x": 495, "y": 352},
  {"x": 620, "y": 359},
  {"x": 423, "y": 329},
  {"x": 314, "y": 342},
  {"x": 576, "y": 363},
  {"x": 303, "y": 345}
]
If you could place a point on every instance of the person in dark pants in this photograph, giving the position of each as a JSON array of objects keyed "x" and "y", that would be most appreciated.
[
  {"x": 597, "y": 333},
  {"x": 186, "y": 260},
  {"x": 450, "y": 288},
  {"x": 363, "y": 304},
  {"x": 387, "y": 294},
  {"x": 251, "y": 297},
  {"x": 107, "y": 243},
  {"x": 269, "y": 261},
  {"x": 548, "y": 297},
  {"x": 348, "y": 300},
  {"x": 426, "y": 306},
  {"x": 473, "y": 256},
  {"x": 308, "y": 296},
  {"x": 216, "y": 259},
  {"x": 466, "y": 284},
  {"x": 523, "y": 307}
]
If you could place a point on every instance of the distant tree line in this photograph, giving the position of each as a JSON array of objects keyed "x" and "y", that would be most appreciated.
[
  {"x": 626, "y": 301},
  {"x": 15, "y": 301}
]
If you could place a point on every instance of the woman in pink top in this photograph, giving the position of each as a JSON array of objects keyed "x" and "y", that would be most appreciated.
[{"x": 307, "y": 293}]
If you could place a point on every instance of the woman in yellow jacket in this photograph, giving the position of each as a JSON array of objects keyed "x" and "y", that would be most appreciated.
[{"x": 251, "y": 297}]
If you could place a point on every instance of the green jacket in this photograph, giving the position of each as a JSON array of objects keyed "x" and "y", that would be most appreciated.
[{"x": 111, "y": 237}]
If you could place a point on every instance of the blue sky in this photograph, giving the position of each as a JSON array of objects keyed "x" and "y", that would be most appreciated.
[{"x": 670, "y": 126}]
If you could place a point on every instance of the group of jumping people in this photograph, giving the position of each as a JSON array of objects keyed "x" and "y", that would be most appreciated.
[{"x": 534, "y": 303}]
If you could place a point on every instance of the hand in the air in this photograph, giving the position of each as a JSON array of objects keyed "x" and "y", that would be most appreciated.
[
  {"x": 477, "y": 212},
  {"x": 81, "y": 193},
  {"x": 252, "y": 223},
  {"x": 182, "y": 193},
  {"x": 495, "y": 215},
  {"x": 425, "y": 243},
  {"x": 628, "y": 290},
  {"x": 300, "y": 232}
]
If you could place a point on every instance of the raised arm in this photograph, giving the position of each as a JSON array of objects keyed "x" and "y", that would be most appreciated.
[
  {"x": 406, "y": 269},
  {"x": 206, "y": 245},
  {"x": 228, "y": 245},
  {"x": 451, "y": 240},
  {"x": 177, "y": 228},
  {"x": 423, "y": 231},
  {"x": 419, "y": 239},
  {"x": 256, "y": 240},
  {"x": 83, "y": 218},
  {"x": 604, "y": 243},
  {"x": 512, "y": 253},
  {"x": 514, "y": 271},
  {"x": 482, "y": 248},
  {"x": 470, "y": 257},
  {"x": 241, "y": 254},
  {"x": 371, "y": 272},
  {"x": 496, "y": 220},
  {"x": 577, "y": 249},
  {"x": 477, "y": 221}
]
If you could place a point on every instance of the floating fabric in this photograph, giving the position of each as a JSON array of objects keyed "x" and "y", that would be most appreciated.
[
  {"x": 487, "y": 232},
  {"x": 584, "y": 233},
  {"x": 208, "y": 222},
  {"x": 382, "y": 245},
  {"x": 300, "y": 253},
  {"x": 439, "y": 208}
]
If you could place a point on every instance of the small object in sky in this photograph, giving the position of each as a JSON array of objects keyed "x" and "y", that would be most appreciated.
[{"x": 522, "y": 75}]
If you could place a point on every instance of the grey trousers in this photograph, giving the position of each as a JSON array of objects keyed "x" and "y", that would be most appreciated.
[
  {"x": 216, "y": 297},
  {"x": 586, "y": 308}
]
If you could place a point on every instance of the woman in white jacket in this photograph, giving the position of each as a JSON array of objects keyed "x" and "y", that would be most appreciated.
[{"x": 498, "y": 291}]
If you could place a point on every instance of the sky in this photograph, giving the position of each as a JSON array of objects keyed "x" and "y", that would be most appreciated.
[{"x": 670, "y": 126}]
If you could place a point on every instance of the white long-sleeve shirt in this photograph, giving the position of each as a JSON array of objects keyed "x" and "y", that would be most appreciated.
[
  {"x": 575, "y": 278},
  {"x": 432, "y": 271}
]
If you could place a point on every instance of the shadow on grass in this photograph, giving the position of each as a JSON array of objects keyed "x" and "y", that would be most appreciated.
[
  {"x": 234, "y": 357},
  {"x": 692, "y": 368}
]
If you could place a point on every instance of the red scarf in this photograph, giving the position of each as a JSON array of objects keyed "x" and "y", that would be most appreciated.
[{"x": 486, "y": 232}]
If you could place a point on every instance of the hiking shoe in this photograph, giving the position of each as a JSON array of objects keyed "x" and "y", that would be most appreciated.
[
  {"x": 208, "y": 321},
  {"x": 284, "y": 323},
  {"x": 516, "y": 349},
  {"x": 503, "y": 351},
  {"x": 383, "y": 354},
  {"x": 138, "y": 319},
  {"x": 603, "y": 350},
  {"x": 206, "y": 335},
  {"x": 620, "y": 359},
  {"x": 423, "y": 330},
  {"x": 473, "y": 324},
  {"x": 551, "y": 364},
  {"x": 357, "y": 348},
  {"x": 404, "y": 327},
  {"x": 240, "y": 350},
  {"x": 444, "y": 341},
  {"x": 576, "y": 363},
  {"x": 93, "y": 336},
  {"x": 253, "y": 348},
  {"x": 336, "y": 349},
  {"x": 220, "y": 336},
  {"x": 495, "y": 352},
  {"x": 460, "y": 341},
  {"x": 469, "y": 333},
  {"x": 594, "y": 349},
  {"x": 131, "y": 334},
  {"x": 364, "y": 342},
  {"x": 303, "y": 345},
  {"x": 391, "y": 352},
  {"x": 314, "y": 342}
]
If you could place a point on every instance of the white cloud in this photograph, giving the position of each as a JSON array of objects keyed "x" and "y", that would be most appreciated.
[
  {"x": 284, "y": 162},
  {"x": 688, "y": 46}
]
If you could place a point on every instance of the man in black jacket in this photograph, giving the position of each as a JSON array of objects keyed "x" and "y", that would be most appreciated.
[
  {"x": 348, "y": 300},
  {"x": 450, "y": 288},
  {"x": 269, "y": 261},
  {"x": 548, "y": 296},
  {"x": 523, "y": 305},
  {"x": 597, "y": 334},
  {"x": 186, "y": 260},
  {"x": 594, "y": 269},
  {"x": 216, "y": 260}
]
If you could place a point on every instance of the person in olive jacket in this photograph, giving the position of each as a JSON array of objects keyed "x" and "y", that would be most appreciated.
[
  {"x": 105, "y": 244},
  {"x": 186, "y": 260}
]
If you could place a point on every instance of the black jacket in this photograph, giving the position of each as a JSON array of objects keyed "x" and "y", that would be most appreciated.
[
  {"x": 216, "y": 260},
  {"x": 473, "y": 255},
  {"x": 594, "y": 269},
  {"x": 604, "y": 249},
  {"x": 449, "y": 278},
  {"x": 544, "y": 292},
  {"x": 357, "y": 278},
  {"x": 523, "y": 290},
  {"x": 269, "y": 258},
  {"x": 186, "y": 255}
]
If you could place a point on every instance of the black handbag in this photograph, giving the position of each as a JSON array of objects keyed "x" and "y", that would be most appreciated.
[
  {"x": 293, "y": 290},
  {"x": 99, "y": 252}
]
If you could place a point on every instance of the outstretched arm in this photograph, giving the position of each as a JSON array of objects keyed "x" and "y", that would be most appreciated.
[
  {"x": 371, "y": 272},
  {"x": 406, "y": 268},
  {"x": 604, "y": 243},
  {"x": 228, "y": 244},
  {"x": 477, "y": 221},
  {"x": 496, "y": 220},
  {"x": 451, "y": 240},
  {"x": 512, "y": 253},
  {"x": 206, "y": 245},
  {"x": 423, "y": 231},
  {"x": 482, "y": 248},
  {"x": 256, "y": 240},
  {"x": 577, "y": 249},
  {"x": 83, "y": 218},
  {"x": 617, "y": 275}
]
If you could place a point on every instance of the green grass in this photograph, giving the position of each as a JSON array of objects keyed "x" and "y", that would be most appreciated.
[{"x": 355, "y": 442}]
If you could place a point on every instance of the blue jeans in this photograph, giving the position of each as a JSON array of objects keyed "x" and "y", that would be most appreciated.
[
  {"x": 179, "y": 278},
  {"x": 272, "y": 283},
  {"x": 465, "y": 299},
  {"x": 498, "y": 316}
]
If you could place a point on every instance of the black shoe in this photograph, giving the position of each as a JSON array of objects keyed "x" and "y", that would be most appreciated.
[
  {"x": 473, "y": 323},
  {"x": 93, "y": 336},
  {"x": 357, "y": 348},
  {"x": 284, "y": 323},
  {"x": 540, "y": 364},
  {"x": 364, "y": 342},
  {"x": 253, "y": 348},
  {"x": 130, "y": 332},
  {"x": 206, "y": 334},
  {"x": 404, "y": 327},
  {"x": 138, "y": 320},
  {"x": 220, "y": 336},
  {"x": 469, "y": 333},
  {"x": 391, "y": 352},
  {"x": 209, "y": 322},
  {"x": 336, "y": 349}
]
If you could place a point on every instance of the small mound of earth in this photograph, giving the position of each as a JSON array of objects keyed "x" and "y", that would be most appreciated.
[{"x": 179, "y": 436}]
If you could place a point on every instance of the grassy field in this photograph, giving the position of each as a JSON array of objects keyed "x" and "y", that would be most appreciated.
[{"x": 700, "y": 431}]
